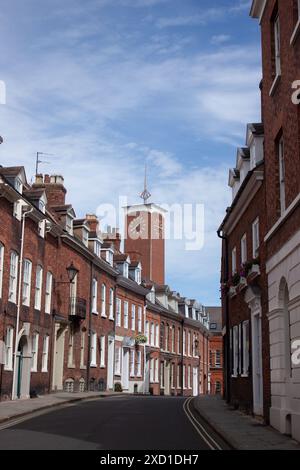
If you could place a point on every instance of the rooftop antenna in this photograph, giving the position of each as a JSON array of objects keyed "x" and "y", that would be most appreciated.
[
  {"x": 145, "y": 195},
  {"x": 38, "y": 161}
]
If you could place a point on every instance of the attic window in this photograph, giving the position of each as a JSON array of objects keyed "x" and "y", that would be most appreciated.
[
  {"x": 109, "y": 257},
  {"x": 69, "y": 224},
  {"x": 125, "y": 270},
  {"x": 42, "y": 207},
  {"x": 18, "y": 185},
  {"x": 85, "y": 237}
]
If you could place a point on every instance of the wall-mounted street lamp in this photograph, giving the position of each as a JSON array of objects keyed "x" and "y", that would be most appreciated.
[{"x": 72, "y": 272}]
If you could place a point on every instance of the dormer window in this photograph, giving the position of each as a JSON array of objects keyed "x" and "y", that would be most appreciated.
[
  {"x": 125, "y": 270},
  {"x": 109, "y": 256},
  {"x": 69, "y": 224},
  {"x": 97, "y": 248},
  {"x": 85, "y": 236},
  {"x": 18, "y": 185},
  {"x": 138, "y": 276},
  {"x": 42, "y": 206}
]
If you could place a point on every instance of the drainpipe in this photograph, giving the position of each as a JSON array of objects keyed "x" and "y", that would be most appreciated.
[
  {"x": 13, "y": 393},
  {"x": 226, "y": 342}
]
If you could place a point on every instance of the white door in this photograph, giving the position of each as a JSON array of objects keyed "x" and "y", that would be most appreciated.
[
  {"x": 257, "y": 365},
  {"x": 110, "y": 364},
  {"x": 125, "y": 369},
  {"x": 195, "y": 382}
]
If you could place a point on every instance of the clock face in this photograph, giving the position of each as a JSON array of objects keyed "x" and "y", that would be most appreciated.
[{"x": 138, "y": 228}]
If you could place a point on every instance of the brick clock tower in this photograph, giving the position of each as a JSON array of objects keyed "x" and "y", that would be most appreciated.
[{"x": 145, "y": 237}]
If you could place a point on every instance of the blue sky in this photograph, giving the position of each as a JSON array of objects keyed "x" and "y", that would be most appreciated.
[{"x": 105, "y": 84}]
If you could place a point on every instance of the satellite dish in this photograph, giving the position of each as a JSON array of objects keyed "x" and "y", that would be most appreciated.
[{"x": 1, "y": 140}]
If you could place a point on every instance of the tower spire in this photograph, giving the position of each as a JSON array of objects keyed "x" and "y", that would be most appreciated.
[{"x": 145, "y": 195}]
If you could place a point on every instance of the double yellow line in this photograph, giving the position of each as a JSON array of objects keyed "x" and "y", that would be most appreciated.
[{"x": 205, "y": 436}]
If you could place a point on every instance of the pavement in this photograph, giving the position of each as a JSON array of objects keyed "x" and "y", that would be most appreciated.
[
  {"x": 240, "y": 431},
  {"x": 15, "y": 409}
]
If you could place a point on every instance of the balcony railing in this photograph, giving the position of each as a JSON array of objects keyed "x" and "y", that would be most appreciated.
[{"x": 77, "y": 309}]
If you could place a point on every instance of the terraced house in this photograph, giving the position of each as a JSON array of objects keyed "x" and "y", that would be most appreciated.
[
  {"x": 78, "y": 313},
  {"x": 266, "y": 197}
]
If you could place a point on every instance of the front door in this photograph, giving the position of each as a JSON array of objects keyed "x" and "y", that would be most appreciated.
[
  {"x": 58, "y": 360},
  {"x": 195, "y": 381}
]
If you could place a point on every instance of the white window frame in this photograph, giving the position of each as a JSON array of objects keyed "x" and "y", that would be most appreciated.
[
  {"x": 34, "y": 351},
  {"x": 82, "y": 350},
  {"x": 235, "y": 350},
  {"x": 246, "y": 349},
  {"x": 140, "y": 319},
  {"x": 133, "y": 317},
  {"x": 45, "y": 353},
  {"x": 2, "y": 251},
  {"x": 48, "y": 292},
  {"x": 148, "y": 332},
  {"x": 111, "y": 303},
  {"x": 184, "y": 377},
  {"x": 95, "y": 296},
  {"x": 172, "y": 376},
  {"x": 139, "y": 363},
  {"x": 157, "y": 335},
  {"x": 93, "y": 350},
  {"x": 218, "y": 358},
  {"x": 71, "y": 350},
  {"x": 189, "y": 343},
  {"x": 9, "y": 341},
  {"x": 255, "y": 238},
  {"x": 189, "y": 377},
  {"x": 13, "y": 277},
  {"x": 244, "y": 249},
  {"x": 17, "y": 210},
  {"x": 118, "y": 312},
  {"x": 118, "y": 360},
  {"x": 152, "y": 334},
  {"x": 156, "y": 372},
  {"x": 233, "y": 261},
  {"x": 103, "y": 300},
  {"x": 26, "y": 286},
  {"x": 38, "y": 288},
  {"x": 184, "y": 342},
  {"x": 126, "y": 314},
  {"x": 281, "y": 162},
  {"x": 102, "y": 351},
  {"x": 277, "y": 46},
  {"x": 132, "y": 363}
]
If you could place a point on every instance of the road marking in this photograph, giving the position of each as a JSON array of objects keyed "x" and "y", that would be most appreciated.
[{"x": 213, "y": 445}]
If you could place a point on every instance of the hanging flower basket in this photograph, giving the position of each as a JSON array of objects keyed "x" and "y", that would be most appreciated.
[{"x": 140, "y": 339}]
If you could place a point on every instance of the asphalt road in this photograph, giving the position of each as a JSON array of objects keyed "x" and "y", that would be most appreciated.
[{"x": 115, "y": 423}]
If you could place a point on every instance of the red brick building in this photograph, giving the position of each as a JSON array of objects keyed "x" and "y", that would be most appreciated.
[
  {"x": 265, "y": 212},
  {"x": 215, "y": 383},
  {"x": 280, "y": 27},
  {"x": 85, "y": 314}
]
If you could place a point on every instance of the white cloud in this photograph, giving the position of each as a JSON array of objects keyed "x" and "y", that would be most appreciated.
[{"x": 220, "y": 39}]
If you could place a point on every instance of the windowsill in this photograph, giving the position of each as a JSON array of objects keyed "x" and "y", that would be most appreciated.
[
  {"x": 233, "y": 376},
  {"x": 44, "y": 371},
  {"x": 82, "y": 367},
  {"x": 34, "y": 371},
  {"x": 275, "y": 84},
  {"x": 71, "y": 366},
  {"x": 95, "y": 312},
  {"x": 295, "y": 33},
  {"x": 139, "y": 376},
  {"x": 8, "y": 369},
  {"x": 111, "y": 319},
  {"x": 103, "y": 315},
  {"x": 117, "y": 374},
  {"x": 103, "y": 366},
  {"x": 93, "y": 366},
  {"x": 245, "y": 376}
]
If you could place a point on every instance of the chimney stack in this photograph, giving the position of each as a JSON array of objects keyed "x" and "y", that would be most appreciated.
[
  {"x": 93, "y": 222},
  {"x": 54, "y": 187}
]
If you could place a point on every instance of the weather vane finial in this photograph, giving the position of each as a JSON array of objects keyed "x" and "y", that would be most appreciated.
[{"x": 145, "y": 195}]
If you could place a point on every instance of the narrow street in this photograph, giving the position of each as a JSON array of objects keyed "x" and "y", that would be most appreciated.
[{"x": 116, "y": 423}]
